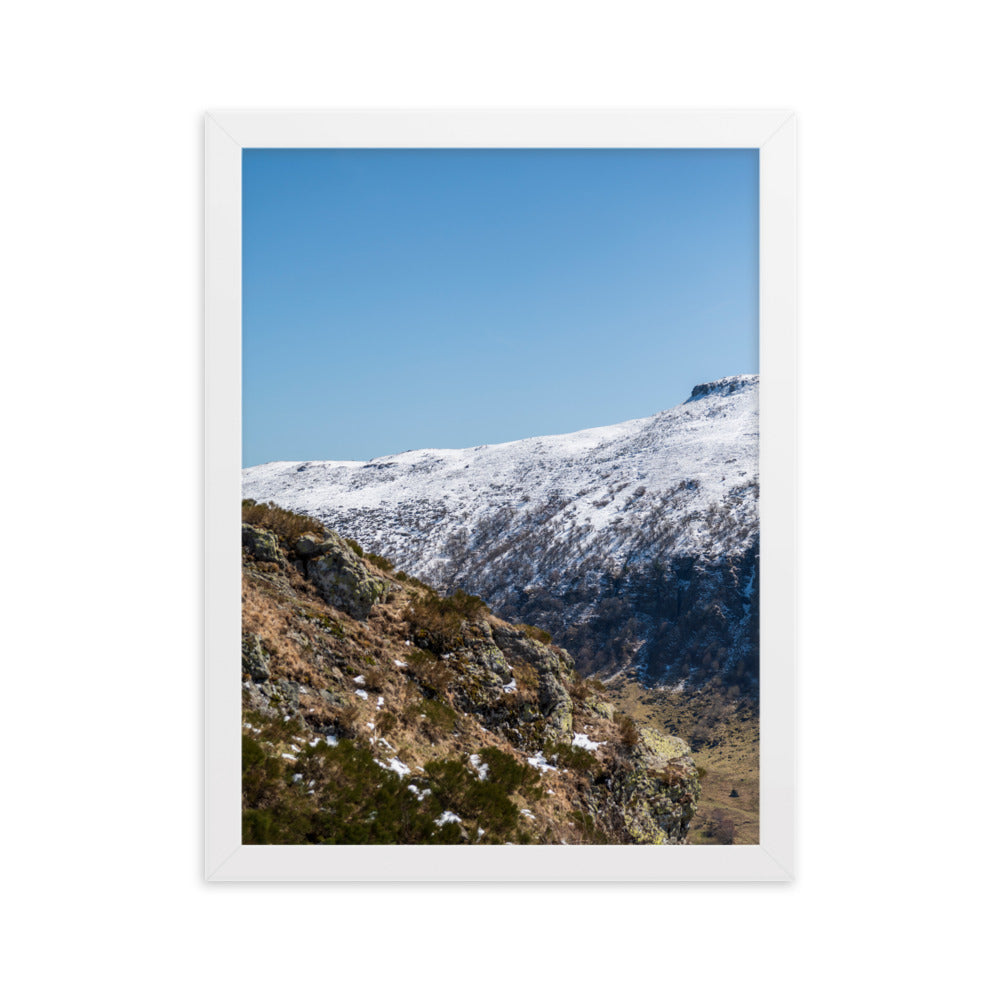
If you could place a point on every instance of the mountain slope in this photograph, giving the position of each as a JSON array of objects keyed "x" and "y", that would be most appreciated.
[
  {"x": 376, "y": 711},
  {"x": 635, "y": 544}
]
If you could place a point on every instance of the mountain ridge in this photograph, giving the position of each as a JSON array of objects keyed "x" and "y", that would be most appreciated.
[{"x": 635, "y": 544}]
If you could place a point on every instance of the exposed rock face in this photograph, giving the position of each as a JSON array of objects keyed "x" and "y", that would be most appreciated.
[
  {"x": 486, "y": 653},
  {"x": 554, "y": 667},
  {"x": 659, "y": 796},
  {"x": 343, "y": 578},
  {"x": 261, "y": 543},
  {"x": 255, "y": 658}
]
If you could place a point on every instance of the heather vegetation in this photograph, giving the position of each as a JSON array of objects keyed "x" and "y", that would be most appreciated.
[
  {"x": 287, "y": 525},
  {"x": 379, "y": 711}
]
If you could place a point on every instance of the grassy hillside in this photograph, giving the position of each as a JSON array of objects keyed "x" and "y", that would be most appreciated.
[
  {"x": 378, "y": 711},
  {"x": 725, "y": 741}
]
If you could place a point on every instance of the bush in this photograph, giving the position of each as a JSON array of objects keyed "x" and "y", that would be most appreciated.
[
  {"x": 286, "y": 524},
  {"x": 509, "y": 774},
  {"x": 720, "y": 828},
  {"x": 386, "y": 721},
  {"x": 575, "y": 758},
  {"x": 438, "y": 719},
  {"x": 432, "y": 674},
  {"x": 538, "y": 634},
  {"x": 380, "y": 562},
  {"x": 628, "y": 729},
  {"x": 483, "y": 802},
  {"x": 406, "y": 578},
  {"x": 437, "y": 621},
  {"x": 342, "y": 797}
]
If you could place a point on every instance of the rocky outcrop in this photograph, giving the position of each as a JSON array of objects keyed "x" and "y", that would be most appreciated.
[
  {"x": 486, "y": 657},
  {"x": 554, "y": 668},
  {"x": 658, "y": 796},
  {"x": 261, "y": 543},
  {"x": 256, "y": 659},
  {"x": 343, "y": 578}
]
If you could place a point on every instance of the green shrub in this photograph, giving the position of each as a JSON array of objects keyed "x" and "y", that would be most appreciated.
[
  {"x": 575, "y": 758},
  {"x": 437, "y": 621},
  {"x": 438, "y": 720},
  {"x": 386, "y": 721},
  {"x": 341, "y": 797},
  {"x": 432, "y": 674},
  {"x": 509, "y": 774},
  {"x": 484, "y": 803},
  {"x": 380, "y": 562}
]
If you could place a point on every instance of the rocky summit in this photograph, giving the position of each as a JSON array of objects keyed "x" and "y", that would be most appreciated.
[
  {"x": 635, "y": 545},
  {"x": 377, "y": 710}
]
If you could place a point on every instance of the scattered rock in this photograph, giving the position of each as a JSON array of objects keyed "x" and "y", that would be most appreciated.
[{"x": 256, "y": 659}]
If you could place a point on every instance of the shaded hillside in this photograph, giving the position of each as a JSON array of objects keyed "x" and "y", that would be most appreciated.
[
  {"x": 377, "y": 711},
  {"x": 635, "y": 545}
]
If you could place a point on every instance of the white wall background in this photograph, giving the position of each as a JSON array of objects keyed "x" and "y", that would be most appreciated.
[{"x": 101, "y": 223}]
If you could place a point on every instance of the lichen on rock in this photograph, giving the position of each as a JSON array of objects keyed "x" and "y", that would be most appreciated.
[
  {"x": 261, "y": 543},
  {"x": 256, "y": 659},
  {"x": 658, "y": 796},
  {"x": 341, "y": 576}
]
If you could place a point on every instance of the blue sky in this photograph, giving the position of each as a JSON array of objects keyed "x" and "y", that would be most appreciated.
[{"x": 398, "y": 299}]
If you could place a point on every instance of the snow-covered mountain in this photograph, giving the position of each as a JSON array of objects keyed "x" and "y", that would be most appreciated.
[{"x": 634, "y": 544}]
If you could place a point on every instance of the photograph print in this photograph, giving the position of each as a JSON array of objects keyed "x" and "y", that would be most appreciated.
[{"x": 500, "y": 536}]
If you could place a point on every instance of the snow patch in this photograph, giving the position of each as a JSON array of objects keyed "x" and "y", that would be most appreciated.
[
  {"x": 481, "y": 769},
  {"x": 583, "y": 740},
  {"x": 539, "y": 763},
  {"x": 395, "y": 765}
]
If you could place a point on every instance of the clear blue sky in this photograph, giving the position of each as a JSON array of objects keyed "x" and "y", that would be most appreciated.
[{"x": 398, "y": 299}]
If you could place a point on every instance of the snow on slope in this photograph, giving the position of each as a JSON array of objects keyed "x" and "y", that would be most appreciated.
[
  {"x": 404, "y": 506},
  {"x": 645, "y": 530}
]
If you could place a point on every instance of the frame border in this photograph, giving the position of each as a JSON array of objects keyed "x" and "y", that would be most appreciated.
[{"x": 227, "y": 133}]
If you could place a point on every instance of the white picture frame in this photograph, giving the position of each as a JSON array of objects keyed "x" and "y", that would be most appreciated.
[{"x": 227, "y": 133}]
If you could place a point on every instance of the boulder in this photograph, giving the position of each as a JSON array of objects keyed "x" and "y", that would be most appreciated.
[
  {"x": 344, "y": 580},
  {"x": 486, "y": 657},
  {"x": 554, "y": 668},
  {"x": 261, "y": 543},
  {"x": 256, "y": 659},
  {"x": 309, "y": 546}
]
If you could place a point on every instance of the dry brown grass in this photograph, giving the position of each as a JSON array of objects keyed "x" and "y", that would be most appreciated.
[
  {"x": 733, "y": 763},
  {"x": 411, "y": 708},
  {"x": 284, "y": 523}
]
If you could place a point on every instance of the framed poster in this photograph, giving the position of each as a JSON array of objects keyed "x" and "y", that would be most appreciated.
[{"x": 507, "y": 403}]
